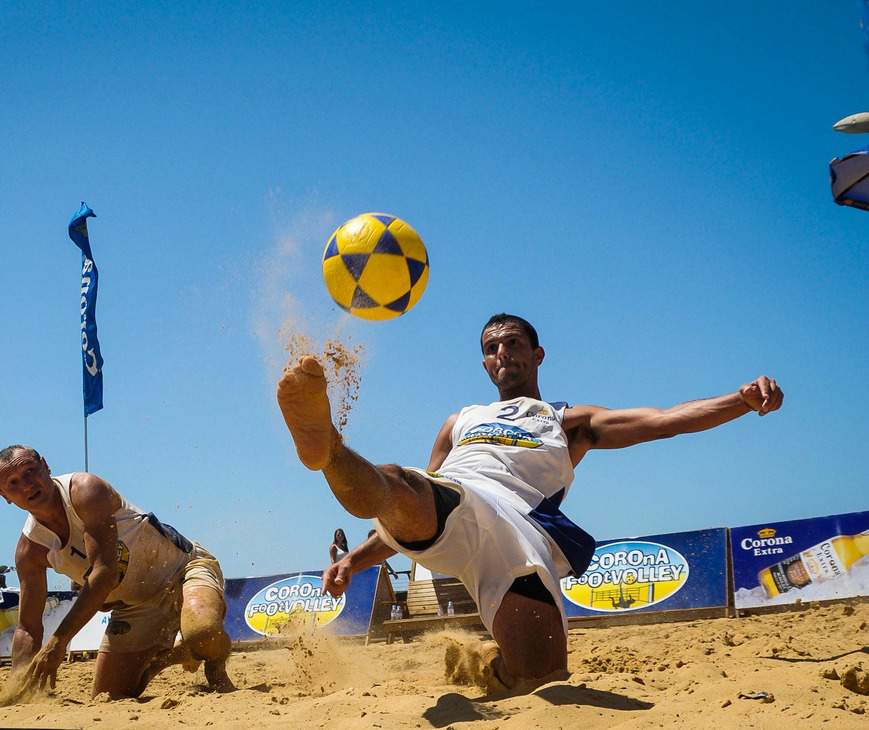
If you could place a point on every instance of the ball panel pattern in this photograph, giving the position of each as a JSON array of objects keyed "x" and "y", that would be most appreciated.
[
  {"x": 341, "y": 283},
  {"x": 385, "y": 277},
  {"x": 375, "y": 266}
]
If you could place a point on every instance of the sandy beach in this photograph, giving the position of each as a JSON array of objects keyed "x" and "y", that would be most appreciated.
[{"x": 812, "y": 664}]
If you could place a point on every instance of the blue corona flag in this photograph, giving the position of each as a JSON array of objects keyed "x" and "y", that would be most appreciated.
[{"x": 92, "y": 360}]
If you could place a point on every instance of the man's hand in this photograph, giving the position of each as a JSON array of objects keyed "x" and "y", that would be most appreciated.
[
  {"x": 336, "y": 578},
  {"x": 43, "y": 667},
  {"x": 762, "y": 395}
]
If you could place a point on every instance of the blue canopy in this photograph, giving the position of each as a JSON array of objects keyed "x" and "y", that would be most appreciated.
[{"x": 849, "y": 179}]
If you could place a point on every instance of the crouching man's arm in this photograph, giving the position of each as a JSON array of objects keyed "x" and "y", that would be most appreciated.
[
  {"x": 95, "y": 502},
  {"x": 31, "y": 562}
]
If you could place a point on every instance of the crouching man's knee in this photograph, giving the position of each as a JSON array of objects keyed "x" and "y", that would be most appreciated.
[{"x": 207, "y": 642}]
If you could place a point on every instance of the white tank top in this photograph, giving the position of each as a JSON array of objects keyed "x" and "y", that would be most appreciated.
[
  {"x": 150, "y": 554},
  {"x": 517, "y": 445}
]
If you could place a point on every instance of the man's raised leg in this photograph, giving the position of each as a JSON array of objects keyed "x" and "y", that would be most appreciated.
[{"x": 402, "y": 500}]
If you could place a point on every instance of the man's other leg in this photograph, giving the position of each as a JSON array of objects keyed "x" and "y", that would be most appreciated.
[
  {"x": 531, "y": 637},
  {"x": 202, "y": 613},
  {"x": 120, "y": 674},
  {"x": 400, "y": 499}
]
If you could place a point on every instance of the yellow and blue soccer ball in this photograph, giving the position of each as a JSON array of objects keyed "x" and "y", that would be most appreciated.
[{"x": 375, "y": 266}]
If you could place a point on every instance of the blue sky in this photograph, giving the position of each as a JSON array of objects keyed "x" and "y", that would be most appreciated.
[{"x": 648, "y": 185}]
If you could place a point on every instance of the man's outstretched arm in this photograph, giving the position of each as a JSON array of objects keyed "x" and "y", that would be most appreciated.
[{"x": 603, "y": 428}]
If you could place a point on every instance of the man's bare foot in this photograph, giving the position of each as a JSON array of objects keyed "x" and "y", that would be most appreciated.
[
  {"x": 305, "y": 406},
  {"x": 218, "y": 679}
]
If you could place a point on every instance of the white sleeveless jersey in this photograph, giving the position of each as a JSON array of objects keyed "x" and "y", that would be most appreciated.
[
  {"x": 150, "y": 554},
  {"x": 518, "y": 445}
]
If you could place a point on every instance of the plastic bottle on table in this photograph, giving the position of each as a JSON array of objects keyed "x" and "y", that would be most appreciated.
[{"x": 451, "y": 609}]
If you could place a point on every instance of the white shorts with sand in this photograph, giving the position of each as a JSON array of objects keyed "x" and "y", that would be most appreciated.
[
  {"x": 154, "y": 624},
  {"x": 488, "y": 541}
]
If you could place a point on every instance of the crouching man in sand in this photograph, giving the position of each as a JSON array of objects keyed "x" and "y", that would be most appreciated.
[
  {"x": 152, "y": 579},
  {"x": 486, "y": 510}
]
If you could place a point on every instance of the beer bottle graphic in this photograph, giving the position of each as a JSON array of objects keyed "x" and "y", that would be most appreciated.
[{"x": 826, "y": 560}]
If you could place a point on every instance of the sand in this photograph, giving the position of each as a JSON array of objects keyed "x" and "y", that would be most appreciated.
[
  {"x": 684, "y": 675},
  {"x": 342, "y": 366}
]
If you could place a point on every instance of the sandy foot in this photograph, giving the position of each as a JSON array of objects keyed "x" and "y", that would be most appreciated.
[{"x": 305, "y": 406}]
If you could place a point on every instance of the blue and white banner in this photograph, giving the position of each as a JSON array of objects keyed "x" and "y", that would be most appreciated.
[
  {"x": 57, "y": 605},
  {"x": 92, "y": 360},
  {"x": 260, "y": 607},
  {"x": 655, "y": 573}
]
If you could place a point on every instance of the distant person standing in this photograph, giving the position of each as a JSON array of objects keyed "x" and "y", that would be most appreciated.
[{"x": 338, "y": 549}]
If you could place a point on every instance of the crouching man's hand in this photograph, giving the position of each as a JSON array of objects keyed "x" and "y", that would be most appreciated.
[{"x": 43, "y": 667}]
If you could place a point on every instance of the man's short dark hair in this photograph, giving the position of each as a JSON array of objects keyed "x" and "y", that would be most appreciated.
[
  {"x": 503, "y": 318},
  {"x": 7, "y": 453}
]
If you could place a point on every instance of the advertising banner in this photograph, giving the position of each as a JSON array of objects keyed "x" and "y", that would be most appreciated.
[
  {"x": 90, "y": 635},
  {"x": 818, "y": 559},
  {"x": 260, "y": 607},
  {"x": 682, "y": 570},
  {"x": 57, "y": 604}
]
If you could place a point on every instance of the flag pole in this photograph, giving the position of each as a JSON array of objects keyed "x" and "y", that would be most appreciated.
[{"x": 86, "y": 443}]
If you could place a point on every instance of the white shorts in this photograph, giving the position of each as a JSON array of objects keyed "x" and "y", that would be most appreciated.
[
  {"x": 488, "y": 542},
  {"x": 155, "y": 623}
]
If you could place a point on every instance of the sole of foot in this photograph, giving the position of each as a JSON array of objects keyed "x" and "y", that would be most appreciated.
[{"x": 305, "y": 407}]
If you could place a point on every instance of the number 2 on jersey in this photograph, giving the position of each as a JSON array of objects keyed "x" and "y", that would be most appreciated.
[{"x": 508, "y": 413}]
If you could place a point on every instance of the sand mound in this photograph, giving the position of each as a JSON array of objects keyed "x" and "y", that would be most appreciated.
[{"x": 794, "y": 670}]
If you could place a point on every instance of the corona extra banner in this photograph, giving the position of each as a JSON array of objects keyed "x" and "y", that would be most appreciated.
[
  {"x": 682, "y": 570},
  {"x": 262, "y": 607},
  {"x": 818, "y": 559}
]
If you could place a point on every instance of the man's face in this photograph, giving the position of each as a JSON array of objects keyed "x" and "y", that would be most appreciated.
[
  {"x": 508, "y": 357},
  {"x": 25, "y": 481}
]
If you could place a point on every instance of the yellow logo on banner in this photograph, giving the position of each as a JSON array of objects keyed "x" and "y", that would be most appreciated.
[
  {"x": 8, "y": 618},
  {"x": 299, "y": 597},
  {"x": 627, "y": 575},
  {"x": 766, "y": 532}
]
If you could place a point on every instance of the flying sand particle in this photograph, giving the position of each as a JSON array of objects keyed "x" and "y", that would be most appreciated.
[{"x": 341, "y": 363}]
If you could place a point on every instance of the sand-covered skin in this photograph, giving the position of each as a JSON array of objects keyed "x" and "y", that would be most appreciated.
[
  {"x": 341, "y": 364},
  {"x": 686, "y": 675}
]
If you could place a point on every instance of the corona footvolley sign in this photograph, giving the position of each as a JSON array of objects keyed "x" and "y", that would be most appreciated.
[
  {"x": 627, "y": 575},
  {"x": 662, "y": 572},
  {"x": 260, "y": 607},
  {"x": 299, "y": 596}
]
